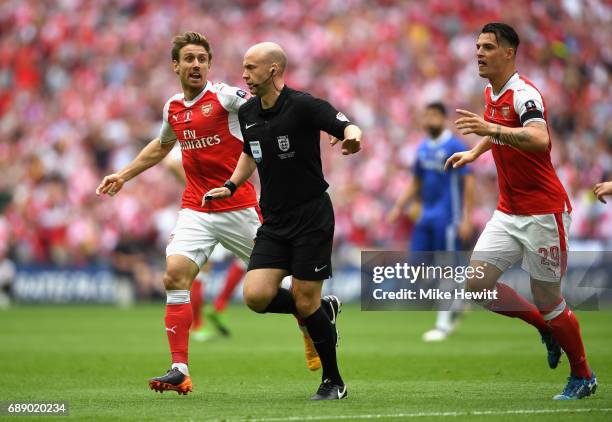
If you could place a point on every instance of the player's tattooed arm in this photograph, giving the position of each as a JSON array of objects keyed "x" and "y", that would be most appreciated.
[
  {"x": 533, "y": 137},
  {"x": 515, "y": 138}
]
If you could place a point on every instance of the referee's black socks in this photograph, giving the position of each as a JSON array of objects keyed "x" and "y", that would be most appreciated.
[
  {"x": 323, "y": 336},
  {"x": 282, "y": 303}
]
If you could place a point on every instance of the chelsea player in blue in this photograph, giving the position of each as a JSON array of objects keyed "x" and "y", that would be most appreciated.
[{"x": 446, "y": 198}]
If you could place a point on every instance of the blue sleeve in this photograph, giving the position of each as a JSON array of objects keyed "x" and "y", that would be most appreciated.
[{"x": 418, "y": 169}]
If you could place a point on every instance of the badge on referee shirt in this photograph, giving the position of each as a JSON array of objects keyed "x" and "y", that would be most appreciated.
[
  {"x": 283, "y": 143},
  {"x": 256, "y": 150}
]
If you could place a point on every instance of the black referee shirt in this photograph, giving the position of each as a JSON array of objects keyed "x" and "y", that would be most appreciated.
[{"x": 285, "y": 142}]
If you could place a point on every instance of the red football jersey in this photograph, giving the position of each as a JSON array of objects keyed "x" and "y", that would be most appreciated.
[
  {"x": 208, "y": 133},
  {"x": 528, "y": 183}
]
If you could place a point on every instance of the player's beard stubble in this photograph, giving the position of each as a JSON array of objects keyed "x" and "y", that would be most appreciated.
[{"x": 434, "y": 131}]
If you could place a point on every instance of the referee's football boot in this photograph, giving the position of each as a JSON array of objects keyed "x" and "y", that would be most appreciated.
[
  {"x": 330, "y": 391},
  {"x": 578, "y": 388},
  {"x": 173, "y": 380},
  {"x": 553, "y": 349},
  {"x": 332, "y": 307}
]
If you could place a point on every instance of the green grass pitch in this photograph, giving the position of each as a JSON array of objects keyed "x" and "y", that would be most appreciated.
[{"x": 99, "y": 360}]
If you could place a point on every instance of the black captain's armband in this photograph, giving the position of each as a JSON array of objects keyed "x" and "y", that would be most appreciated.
[{"x": 531, "y": 112}]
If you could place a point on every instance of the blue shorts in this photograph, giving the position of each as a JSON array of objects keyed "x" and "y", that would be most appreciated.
[{"x": 435, "y": 234}]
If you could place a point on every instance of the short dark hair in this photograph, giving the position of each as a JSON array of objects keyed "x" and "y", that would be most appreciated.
[
  {"x": 503, "y": 32},
  {"x": 187, "y": 38},
  {"x": 437, "y": 105}
]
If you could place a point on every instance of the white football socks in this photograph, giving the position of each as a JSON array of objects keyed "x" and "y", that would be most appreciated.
[{"x": 181, "y": 367}]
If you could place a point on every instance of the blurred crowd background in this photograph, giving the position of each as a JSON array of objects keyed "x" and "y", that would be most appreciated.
[{"x": 83, "y": 83}]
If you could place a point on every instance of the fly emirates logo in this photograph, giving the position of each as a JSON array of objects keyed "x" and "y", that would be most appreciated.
[{"x": 192, "y": 141}]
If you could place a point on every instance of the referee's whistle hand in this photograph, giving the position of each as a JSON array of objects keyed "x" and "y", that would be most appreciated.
[
  {"x": 352, "y": 140},
  {"x": 351, "y": 146},
  {"x": 216, "y": 193}
]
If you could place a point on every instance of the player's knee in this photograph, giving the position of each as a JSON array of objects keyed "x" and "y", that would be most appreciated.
[
  {"x": 256, "y": 303},
  {"x": 256, "y": 299},
  {"x": 176, "y": 280},
  {"x": 484, "y": 278},
  {"x": 546, "y": 297},
  {"x": 472, "y": 285},
  {"x": 479, "y": 285},
  {"x": 544, "y": 304}
]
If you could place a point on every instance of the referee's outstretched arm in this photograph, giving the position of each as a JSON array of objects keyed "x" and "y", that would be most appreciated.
[
  {"x": 244, "y": 169},
  {"x": 351, "y": 142}
]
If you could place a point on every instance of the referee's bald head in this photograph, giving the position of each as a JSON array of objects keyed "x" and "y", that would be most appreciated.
[{"x": 270, "y": 53}]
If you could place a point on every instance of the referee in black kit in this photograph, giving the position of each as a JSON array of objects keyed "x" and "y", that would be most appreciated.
[{"x": 281, "y": 130}]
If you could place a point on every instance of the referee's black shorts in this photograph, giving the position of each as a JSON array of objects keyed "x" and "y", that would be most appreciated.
[{"x": 299, "y": 240}]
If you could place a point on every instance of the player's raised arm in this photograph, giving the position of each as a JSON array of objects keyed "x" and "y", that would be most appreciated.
[
  {"x": 153, "y": 153},
  {"x": 244, "y": 169}
]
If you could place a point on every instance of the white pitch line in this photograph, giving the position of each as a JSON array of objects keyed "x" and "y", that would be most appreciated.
[{"x": 428, "y": 414}]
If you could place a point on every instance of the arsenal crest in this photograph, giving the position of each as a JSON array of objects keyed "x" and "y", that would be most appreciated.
[
  {"x": 206, "y": 109},
  {"x": 505, "y": 111},
  {"x": 283, "y": 143}
]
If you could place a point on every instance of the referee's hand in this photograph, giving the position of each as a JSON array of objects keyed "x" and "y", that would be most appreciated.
[
  {"x": 216, "y": 193},
  {"x": 351, "y": 142}
]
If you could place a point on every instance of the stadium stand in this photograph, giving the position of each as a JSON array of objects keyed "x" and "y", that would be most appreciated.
[{"x": 82, "y": 85}]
